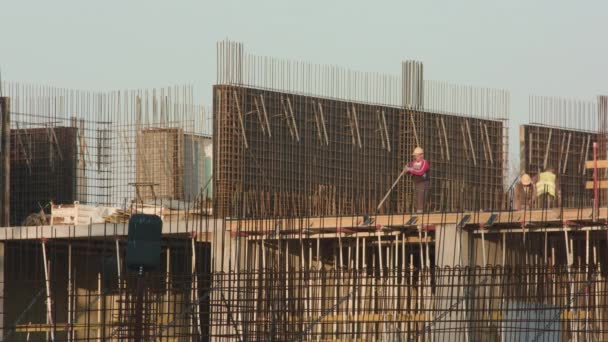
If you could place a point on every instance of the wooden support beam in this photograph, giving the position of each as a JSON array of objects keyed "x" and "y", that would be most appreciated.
[
  {"x": 82, "y": 164},
  {"x": 540, "y": 230},
  {"x": 26, "y": 152},
  {"x": 127, "y": 144},
  {"x": 323, "y": 123},
  {"x": 293, "y": 119},
  {"x": 468, "y": 127},
  {"x": 585, "y": 154},
  {"x": 47, "y": 281},
  {"x": 388, "y": 140},
  {"x": 355, "y": 222},
  {"x": 382, "y": 140},
  {"x": 465, "y": 144},
  {"x": 70, "y": 294},
  {"x": 445, "y": 138},
  {"x": 367, "y": 318},
  {"x": 529, "y": 150},
  {"x": 547, "y": 148},
  {"x": 55, "y": 141},
  {"x": 483, "y": 143},
  {"x": 602, "y": 184},
  {"x": 265, "y": 115},
  {"x": 380, "y": 129},
  {"x": 351, "y": 126},
  {"x": 259, "y": 114},
  {"x": 601, "y": 164},
  {"x": 59, "y": 327},
  {"x": 561, "y": 154},
  {"x": 414, "y": 129},
  {"x": 286, "y": 116},
  {"x": 317, "y": 122},
  {"x": 194, "y": 294},
  {"x": 118, "y": 262},
  {"x": 441, "y": 138},
  {"x": 356, "y": 123},
  {"x": 359, "y": 318},
  {"x": 567, "y": 153},
  {"x": 240, "y": 116},
  {"x": 5, "y": 161},
  {"x": 485, "y": 127},
  {"x": 50, "y": 146},
  {"x": 522, "y": 148}
]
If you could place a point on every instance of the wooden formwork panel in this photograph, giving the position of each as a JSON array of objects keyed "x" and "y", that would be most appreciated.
[
  {"x": 43, "y": 169},
  {"x": 280, "y": 154},
  {"x": 567, "y": 151}
]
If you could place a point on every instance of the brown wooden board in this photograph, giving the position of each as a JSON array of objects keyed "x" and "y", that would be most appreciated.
[{"x": 288, "y": 168}]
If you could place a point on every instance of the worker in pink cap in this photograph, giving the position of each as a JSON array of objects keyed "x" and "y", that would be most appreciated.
[{"x": 419, "y": 169}]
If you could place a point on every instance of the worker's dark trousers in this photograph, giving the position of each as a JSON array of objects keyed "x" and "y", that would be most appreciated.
[
  {"x": 420, "y": 190},
  {"x": 546, "y": 201}
]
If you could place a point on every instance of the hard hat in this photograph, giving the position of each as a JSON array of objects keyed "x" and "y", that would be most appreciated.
[
  {"x": 525, "y": 179},
  {"x": 418, "y": 150}
]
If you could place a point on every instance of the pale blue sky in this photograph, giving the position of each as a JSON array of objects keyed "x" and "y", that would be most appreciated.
[{"x": 555, "y": 48}]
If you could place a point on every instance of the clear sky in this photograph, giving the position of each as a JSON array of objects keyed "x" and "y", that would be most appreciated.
[{"x": 557, "y": 47}]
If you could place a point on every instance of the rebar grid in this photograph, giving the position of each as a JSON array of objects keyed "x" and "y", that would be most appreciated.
[
  {"x": 567, "y": 151},
  {"x": 407, "y": 88},
  {"x": 105, "y": 148},
  {"x": 536, "y": 303},
  {"x": 280, "y": 154},
  {"x": 561, "y": 134},
  {"x": 57, "y": 160}
]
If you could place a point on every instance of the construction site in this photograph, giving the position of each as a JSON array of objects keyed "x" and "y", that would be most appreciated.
[{"x": 289, "y": 212}]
